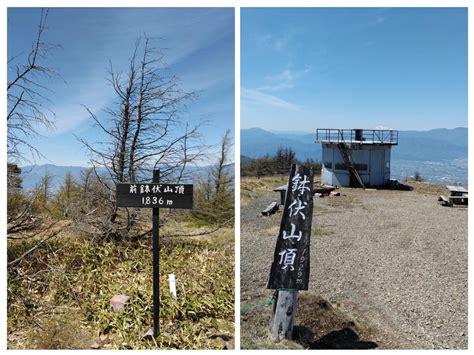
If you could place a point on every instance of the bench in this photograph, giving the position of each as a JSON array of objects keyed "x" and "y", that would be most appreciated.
[
  {"x": 321, "y": 190},
  {"x": 458, "y": 196}
]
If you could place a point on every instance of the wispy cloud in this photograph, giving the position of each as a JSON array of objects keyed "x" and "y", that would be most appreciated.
[
  {"x": 277, "y": 42},
  {"x": 252, "y": 97},
  {"x": 285, "y": 79},
  {"x": 277, "y": 86},
  {"x": 70, "y": 114},
  {"x": 182, "y": 34},
  {"x": 181, "y": 31},
  {"x": 382, "y": 127}
]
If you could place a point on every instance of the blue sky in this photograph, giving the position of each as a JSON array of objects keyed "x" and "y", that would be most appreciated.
[
  {"x": 353, "y": 68},
  {"x": 199, "y": 47}
]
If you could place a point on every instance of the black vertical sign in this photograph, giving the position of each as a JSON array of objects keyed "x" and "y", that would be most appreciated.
[
  {"x": 290, "y": 267},
  {"x": 155, "y": 196}
]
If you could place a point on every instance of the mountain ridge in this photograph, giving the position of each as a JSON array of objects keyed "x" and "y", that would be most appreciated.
[{"x": 431, "y": 145}]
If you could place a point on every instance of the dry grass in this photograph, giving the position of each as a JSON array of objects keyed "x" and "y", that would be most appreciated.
[
  {"x": 252, "y": 187},
  {"x": 320, "y": 232},
  {"x": 58, "y": 296},
  {"x": 343, "y": 201},
  {"x": 426, "y": 188}
]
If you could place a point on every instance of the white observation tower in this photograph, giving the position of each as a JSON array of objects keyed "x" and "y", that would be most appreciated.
[{"x": 356, "y": 157}]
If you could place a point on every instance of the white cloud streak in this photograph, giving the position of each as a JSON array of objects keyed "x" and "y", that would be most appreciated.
[
  {"x": 252, "y": 97},
  {"x": 286, "y": 79}
]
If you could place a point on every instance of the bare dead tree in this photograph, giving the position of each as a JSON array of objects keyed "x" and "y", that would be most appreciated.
[
  {"x": 221, "y": 177},
  {"x": 27, "y": 100},
  {"x": 160, "y": 138},
  {"x": 215, "y": 195},
  {"x": 142, "y": 129},
  {"x": 45, "y": 188},
  {"x": 27, "y": 113}
]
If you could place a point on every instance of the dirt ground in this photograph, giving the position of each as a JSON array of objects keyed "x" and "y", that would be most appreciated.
[{"x": 393, "y": 264}]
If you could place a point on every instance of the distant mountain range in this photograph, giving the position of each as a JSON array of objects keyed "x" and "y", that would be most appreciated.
[
  {"x": 32, "y": 174},
  {"x": 440, "y": 155},
  {"x": 433, "y": 145}
]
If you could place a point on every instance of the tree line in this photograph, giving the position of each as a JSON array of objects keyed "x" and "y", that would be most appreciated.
[
  {"x": 277, "y": 164},
  {"x": 84, "y": 200}
]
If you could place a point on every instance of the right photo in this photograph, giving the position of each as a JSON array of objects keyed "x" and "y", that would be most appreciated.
[{"x": 354, "y": 178}]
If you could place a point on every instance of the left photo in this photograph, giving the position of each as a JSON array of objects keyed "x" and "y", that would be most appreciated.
[{"x": 120, "y": 178}]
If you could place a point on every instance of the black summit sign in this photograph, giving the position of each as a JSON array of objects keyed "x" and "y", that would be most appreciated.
[
  {"x": 290, "y": 267},
  {"x": 155, "y": 195}
]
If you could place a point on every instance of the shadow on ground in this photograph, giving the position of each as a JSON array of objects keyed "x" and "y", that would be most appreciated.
[
  {"x": 323, "y": 326},
  {"x": 342, "y": 339}
]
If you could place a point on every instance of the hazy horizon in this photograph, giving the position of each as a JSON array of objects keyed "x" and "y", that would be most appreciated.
[{"x": 312, "y": 131}]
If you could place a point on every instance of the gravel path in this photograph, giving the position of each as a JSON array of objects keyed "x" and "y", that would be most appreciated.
[{"x": 396, "y": 258}]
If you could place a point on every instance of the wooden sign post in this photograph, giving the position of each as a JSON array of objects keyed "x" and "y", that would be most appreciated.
[
  {"x": 155, "y": 196},
  {"x": 290, "y": 268}
]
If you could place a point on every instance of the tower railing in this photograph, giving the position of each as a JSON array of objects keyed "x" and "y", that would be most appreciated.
[{"x": 363, "y": 136}]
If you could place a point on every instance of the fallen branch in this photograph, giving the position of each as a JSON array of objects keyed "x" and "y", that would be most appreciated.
[
  {"x": 13, "y": 236},
  {"x": 91, "y": 212},
  {"x": 22, "y": 256}
]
